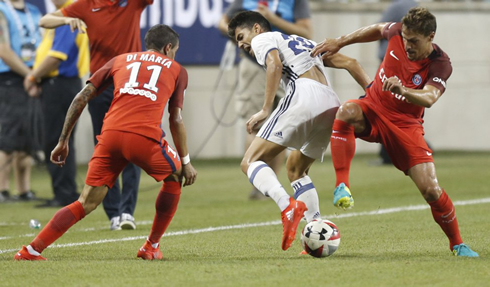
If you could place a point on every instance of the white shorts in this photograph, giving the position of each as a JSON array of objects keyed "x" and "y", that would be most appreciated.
[{"x": 304, "y": 118}]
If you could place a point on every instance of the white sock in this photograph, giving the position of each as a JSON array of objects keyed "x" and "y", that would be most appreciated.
[
  {"x": 32, "y": 251},
  {"x": 305, "y": 191},
  {"x": 265, "y": 180}
]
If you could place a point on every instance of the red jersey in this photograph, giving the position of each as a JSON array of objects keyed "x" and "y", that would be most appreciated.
[
  {"x": 112, "y": 30},
  {"x": 143, "y": 84},
  {"x": 433, "y": 70}
]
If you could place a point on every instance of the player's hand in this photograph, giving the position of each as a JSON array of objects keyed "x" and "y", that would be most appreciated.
[
  {"x": 256, "y": 120},
  {"x": 75, "y": 24},
  {"x": 393, "y": 85},
  {"x": 327, "y": 47},
  {"x": 189, "y": 173},
  {"x": 59, "y": 153}
]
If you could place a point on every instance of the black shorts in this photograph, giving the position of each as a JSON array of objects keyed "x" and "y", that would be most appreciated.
[{"x": 20, "y": 116}]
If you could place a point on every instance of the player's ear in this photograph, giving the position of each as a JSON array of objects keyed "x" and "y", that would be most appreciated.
[
  {"x": 167, "y": 48},
  {"x": 256, "y": 28},
  {"x": 431, "y": 36}
]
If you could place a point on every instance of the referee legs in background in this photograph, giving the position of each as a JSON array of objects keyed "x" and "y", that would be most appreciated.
[{"x": 57, "y": 95}]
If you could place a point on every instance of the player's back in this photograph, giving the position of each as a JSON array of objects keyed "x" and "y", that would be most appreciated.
[
  {"x": 143, "y": 84},
  {"x": 294, "y": 52}
]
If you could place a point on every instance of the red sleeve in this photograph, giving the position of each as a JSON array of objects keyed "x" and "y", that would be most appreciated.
[
  {"x": 76, "y": 9},
  {"x": 439, "y": 72},
  {"x": 144, "y": 3},
  {"x": 177, "y": 98},
  {"x": 103, "y": 77},
  {"x": 392, "y": 29}
]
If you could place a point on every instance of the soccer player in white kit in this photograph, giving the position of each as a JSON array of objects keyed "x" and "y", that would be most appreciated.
[{"x": 302, "y": 121}]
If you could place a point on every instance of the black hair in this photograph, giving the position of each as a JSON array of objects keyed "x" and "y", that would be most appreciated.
[
  {"x": 247, "y": 19},
  {"x": 160, "y": 36}
]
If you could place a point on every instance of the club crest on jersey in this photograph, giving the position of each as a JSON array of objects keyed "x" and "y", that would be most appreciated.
[
  {"x": 417, "y": 79},
  {"x": 123, "y": 3}
]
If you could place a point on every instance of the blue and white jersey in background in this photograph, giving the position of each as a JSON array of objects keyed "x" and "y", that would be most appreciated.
[{"x": 294, "y": 52}]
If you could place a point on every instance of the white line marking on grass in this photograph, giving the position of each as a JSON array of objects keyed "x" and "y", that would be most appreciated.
[{"x": 269, "y": 223}]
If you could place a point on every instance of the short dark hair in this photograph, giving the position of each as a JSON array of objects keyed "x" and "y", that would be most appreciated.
[
  {"x": 247, "y": 19},
  {"x": 160, "y": 36},
  {"x": 420, "y": 20}
]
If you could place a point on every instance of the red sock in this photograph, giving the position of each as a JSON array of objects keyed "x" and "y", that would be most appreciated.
[
  {"x": 445, "y": 215},
  {"x": 58, "y": 225},
  {"x": 343, "y": 147},
  {"x": 166, "y": 205}
]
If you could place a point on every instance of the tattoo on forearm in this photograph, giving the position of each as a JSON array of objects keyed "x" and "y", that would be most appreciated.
[{"x": 75, "y": 109}]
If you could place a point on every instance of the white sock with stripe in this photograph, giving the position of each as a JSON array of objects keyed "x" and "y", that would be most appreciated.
[
  {"x": 305, "y": 191},
  {"x": 265, "y": 180}
]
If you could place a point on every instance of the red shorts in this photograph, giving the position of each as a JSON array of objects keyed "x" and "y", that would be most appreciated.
[
  {"x": 406, "y": 145},
  {"x": 115, "y": 149}
]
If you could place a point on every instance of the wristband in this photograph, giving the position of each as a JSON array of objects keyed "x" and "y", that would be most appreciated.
[{"x": 186, "y": 159}]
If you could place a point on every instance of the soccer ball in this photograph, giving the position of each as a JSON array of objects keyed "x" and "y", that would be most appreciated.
[{"x": 320, "y": 238}]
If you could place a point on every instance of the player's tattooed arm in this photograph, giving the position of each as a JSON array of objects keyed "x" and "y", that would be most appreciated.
[{"x": 75, "y": 110}]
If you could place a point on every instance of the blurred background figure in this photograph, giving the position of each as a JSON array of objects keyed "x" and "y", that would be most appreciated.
[
  {"x": 290, "y": 17},
  {"x": 106, "y": 21},
  {"x": 19, "y": 135},
  {"x": 393, "y": 13},
  {"x": 62, "y": 59}
]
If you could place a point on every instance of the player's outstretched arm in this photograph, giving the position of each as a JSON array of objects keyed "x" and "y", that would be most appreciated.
[
  {"x": 56, "y": 19},
  {"x": 179, "y": 135},
  {"x": 340, "y": 61},
  {"x": 365, "y": 34},
  {"x": 60, "y": 152}
]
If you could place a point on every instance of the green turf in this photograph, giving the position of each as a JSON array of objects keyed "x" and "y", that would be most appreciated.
[{"x": 396, "y": 249}]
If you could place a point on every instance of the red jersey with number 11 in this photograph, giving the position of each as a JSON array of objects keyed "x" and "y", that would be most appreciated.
[
  {"x": 143, "y": 84},
  {"x": 433, "y": 70}
]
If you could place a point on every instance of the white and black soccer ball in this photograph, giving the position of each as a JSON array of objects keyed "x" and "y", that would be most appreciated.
[{"x": 320, "y": 238}]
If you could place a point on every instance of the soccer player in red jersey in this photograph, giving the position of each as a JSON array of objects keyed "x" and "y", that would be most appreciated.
[
  {"x": 412, "y": 77},
  {"x": 113, "y": 28},
  {"x": 144, "y": 83}
]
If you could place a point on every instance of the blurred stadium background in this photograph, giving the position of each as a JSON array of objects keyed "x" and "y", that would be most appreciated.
[{"x": 457, "y": 122}]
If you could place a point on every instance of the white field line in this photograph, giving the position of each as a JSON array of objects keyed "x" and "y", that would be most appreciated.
[{"x": 251, "y": 225}]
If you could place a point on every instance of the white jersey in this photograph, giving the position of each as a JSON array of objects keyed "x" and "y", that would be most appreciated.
[{"x": 294, "y": 52}]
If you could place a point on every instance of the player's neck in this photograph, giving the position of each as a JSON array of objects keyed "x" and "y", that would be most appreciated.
[
  {"x": 431, "y": 49},
  {"x": 155, "y": 51}
]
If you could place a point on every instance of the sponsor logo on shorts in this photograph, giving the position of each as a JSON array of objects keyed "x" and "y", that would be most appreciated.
[
  {"x": 278, "y": 134},
  {"x": 429, "y": 153}
]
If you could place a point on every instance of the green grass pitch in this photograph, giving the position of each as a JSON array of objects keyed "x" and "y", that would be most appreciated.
[{"x": 220, "y": 238}]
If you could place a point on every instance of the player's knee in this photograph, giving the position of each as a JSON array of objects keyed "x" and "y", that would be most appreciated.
[
  {"x": 349, "y": 112},
  {"x": 431, "y": 193},
  {"x": 244, "y": 165}
]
